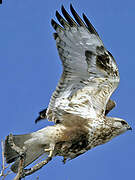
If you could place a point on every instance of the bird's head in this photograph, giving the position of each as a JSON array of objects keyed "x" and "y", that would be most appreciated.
[{"x": 118, "y": 125}]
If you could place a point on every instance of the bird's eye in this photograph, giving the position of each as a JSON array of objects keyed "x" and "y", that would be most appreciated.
[{"x": 123, "y": 123}]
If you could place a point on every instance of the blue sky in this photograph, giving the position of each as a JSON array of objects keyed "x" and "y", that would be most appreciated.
[{"x": 30, "y": 69}]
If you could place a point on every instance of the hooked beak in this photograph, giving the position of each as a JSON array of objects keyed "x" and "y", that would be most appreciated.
[{"x": 129, "y": 128}]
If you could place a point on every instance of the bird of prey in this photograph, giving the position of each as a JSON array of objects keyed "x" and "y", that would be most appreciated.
[{"x": 81, "y": 101}]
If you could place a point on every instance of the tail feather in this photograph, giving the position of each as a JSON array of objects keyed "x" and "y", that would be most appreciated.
[
  {"x": 9, "y": 153},
  {"x": 19, "y": 140},
  {"x": 33, "y": 150}
]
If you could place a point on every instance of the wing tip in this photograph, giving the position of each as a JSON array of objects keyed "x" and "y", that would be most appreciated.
[
  {"x": 42, "y": 115},
  {"x": 62, "y": 8},
  {"x": 53, "y": 23},
  {"x": 71, "y": 6},
  {"x": 38, "y": 119}
]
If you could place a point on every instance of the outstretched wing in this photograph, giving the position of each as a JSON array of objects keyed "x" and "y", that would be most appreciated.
[{"x": 90, "y": 74}]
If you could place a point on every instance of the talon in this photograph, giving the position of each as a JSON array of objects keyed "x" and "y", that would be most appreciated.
[
  {"x": 50, "y": 154},
  {"x": 50, "y": 150},
  {"x": 47, "y": 150}
]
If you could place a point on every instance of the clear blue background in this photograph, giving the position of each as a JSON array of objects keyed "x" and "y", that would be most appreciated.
[{"x": 30, "y": 69}]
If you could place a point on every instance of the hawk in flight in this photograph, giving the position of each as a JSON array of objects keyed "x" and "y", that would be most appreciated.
[{"x": 81, "y": 101}]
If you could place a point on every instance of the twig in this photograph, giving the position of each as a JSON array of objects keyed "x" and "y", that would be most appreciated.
[
  {"x": 2, "y": 174},
  {"x": 20, "y": 169}
]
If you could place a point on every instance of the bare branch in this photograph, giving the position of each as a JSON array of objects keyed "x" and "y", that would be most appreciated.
[
  {"x": 2, "y": 173},
  {"x": 20, "y": 169}
]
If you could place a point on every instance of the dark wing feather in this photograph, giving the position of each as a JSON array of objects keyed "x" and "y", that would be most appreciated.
[
  {"x": 89, "y": 25},
  {"x": 77, "y": 18},
  {"x": 110, "y": 105},
  {"x": 62, "y": 20},
  {"x": 56, "y": 25},
  {"x": 42, "y": 115},
  {"x": 68, "y": 17}
]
